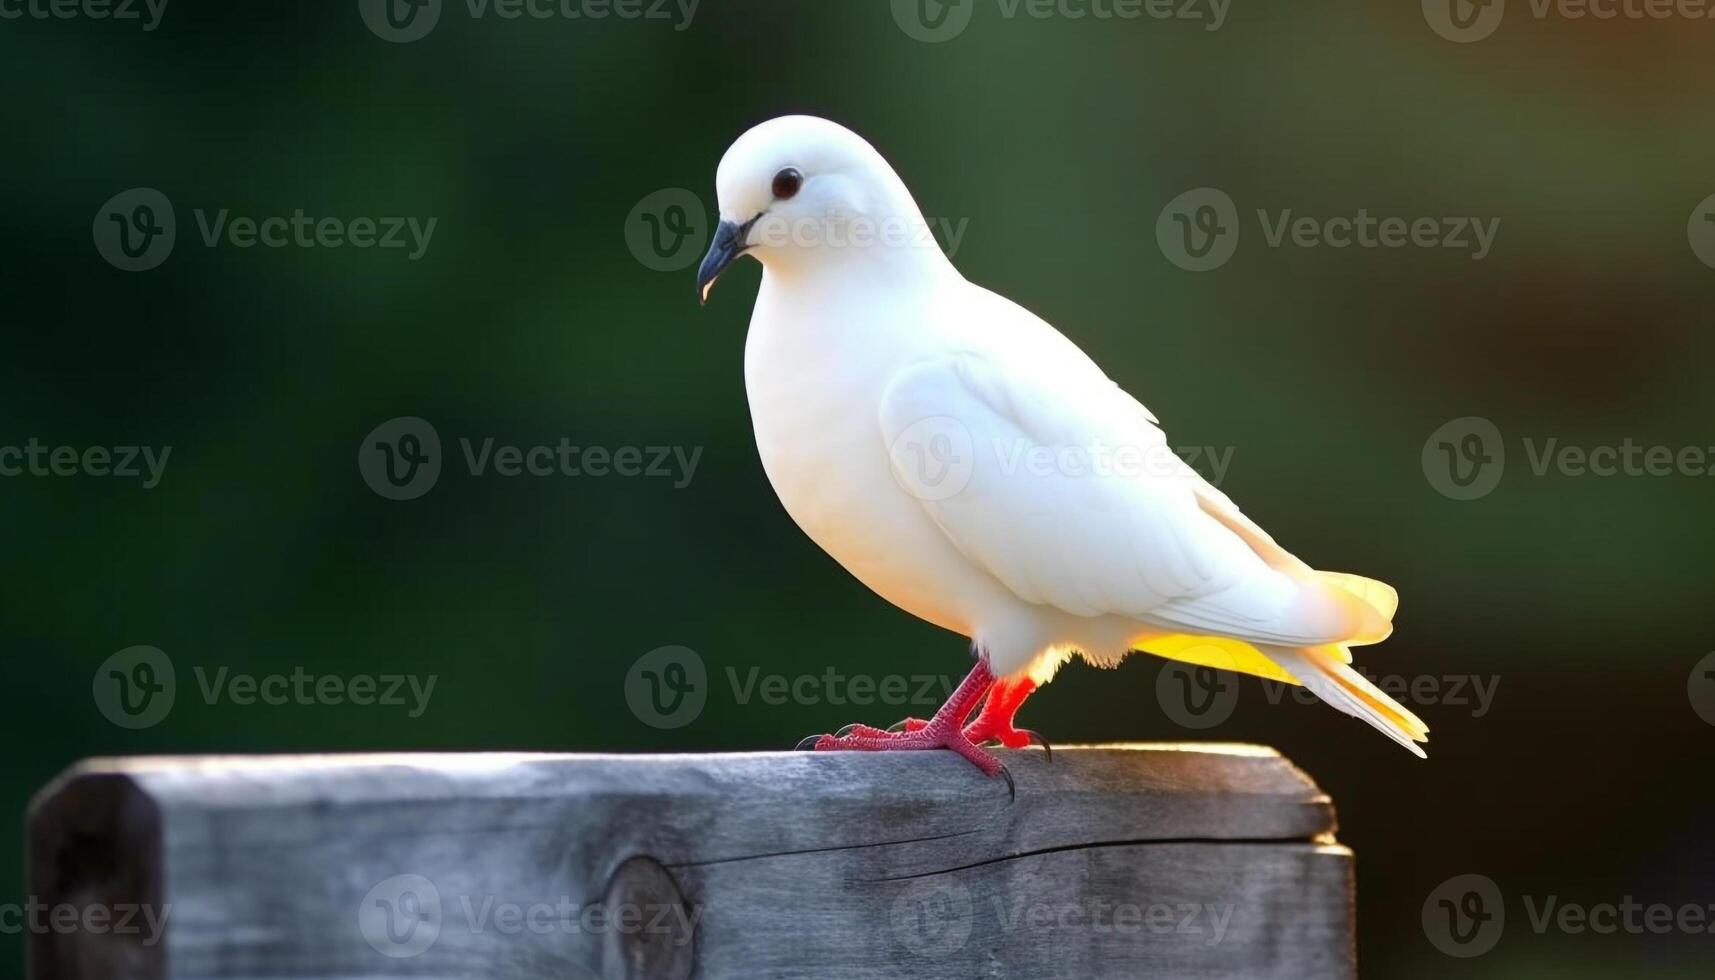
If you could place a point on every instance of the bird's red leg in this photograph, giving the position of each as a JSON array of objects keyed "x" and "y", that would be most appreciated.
[
  {"x": 944, "y": 731},
  {"x": 995, "y": 722},
  {"x": 915, "y": 724}
]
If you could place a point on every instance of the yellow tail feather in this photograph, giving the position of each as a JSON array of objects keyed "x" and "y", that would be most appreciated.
[
  {"x": 1320, "y": 670},
  {"x": 1220, "y": 652},
  {"x": 1380, "y": 596}
]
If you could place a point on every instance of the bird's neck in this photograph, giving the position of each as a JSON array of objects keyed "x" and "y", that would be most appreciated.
[
  {"x": 840, "y": 316},
  {"x": 895, "y": 251}
]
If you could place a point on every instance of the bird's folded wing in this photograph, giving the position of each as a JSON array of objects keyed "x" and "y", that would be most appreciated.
[{"x": 1064, "y": 489}]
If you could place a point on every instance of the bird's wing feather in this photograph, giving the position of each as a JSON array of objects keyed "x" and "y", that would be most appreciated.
[{"x": 1043, "y": 510}]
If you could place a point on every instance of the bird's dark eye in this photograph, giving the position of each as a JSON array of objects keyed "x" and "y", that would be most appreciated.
[{"x": 786, "y": 183}]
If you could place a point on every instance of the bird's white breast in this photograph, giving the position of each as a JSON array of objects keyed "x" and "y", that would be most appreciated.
[{"x": 816, "y": 367}]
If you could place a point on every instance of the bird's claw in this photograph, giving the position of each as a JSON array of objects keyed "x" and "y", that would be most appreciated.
[
  {"x": 1035, "y": 738},
  {"x": 1016, "y": 738},
  {"x": 863, "y": 731},
  {"x": 865, "y": 738}
]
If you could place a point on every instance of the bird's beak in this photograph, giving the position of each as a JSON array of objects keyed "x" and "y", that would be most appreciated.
[{"x": 728, "y": 245}]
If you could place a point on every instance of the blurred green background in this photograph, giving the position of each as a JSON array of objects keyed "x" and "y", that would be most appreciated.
[{"x": 531, "y": 317}]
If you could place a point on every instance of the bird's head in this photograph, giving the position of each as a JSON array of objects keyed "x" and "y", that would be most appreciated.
[{"x": 800, "y": 192}]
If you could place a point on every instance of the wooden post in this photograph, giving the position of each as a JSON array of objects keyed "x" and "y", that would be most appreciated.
[{"x": 1114, "y": 861}]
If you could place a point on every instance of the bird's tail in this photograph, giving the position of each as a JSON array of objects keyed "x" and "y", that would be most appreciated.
[
  {"x": 1379, "y": 598},
  {"x": 1324, "y": 670}
]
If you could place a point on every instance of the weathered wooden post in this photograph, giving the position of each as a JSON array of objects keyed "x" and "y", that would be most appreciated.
[{"x": 1113, "y": 861}]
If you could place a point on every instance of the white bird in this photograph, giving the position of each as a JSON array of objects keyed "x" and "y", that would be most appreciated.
[{"x": 971, "y": 465}]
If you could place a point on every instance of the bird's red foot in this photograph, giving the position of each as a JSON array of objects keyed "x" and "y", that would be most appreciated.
[
  {"x": 994, "y": 724},
  {"x": 932, "y": 737},
  {"x": 943, "y": 731},
  {"x": 978, "y": 732},
  {"x": 1012, "y": 738}
]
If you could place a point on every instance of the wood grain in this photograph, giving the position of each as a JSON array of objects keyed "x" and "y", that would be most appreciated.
[{"x": 1113, "y": 861}]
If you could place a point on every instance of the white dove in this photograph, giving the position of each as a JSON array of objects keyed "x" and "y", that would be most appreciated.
[{"x": 972, "y": 466}]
